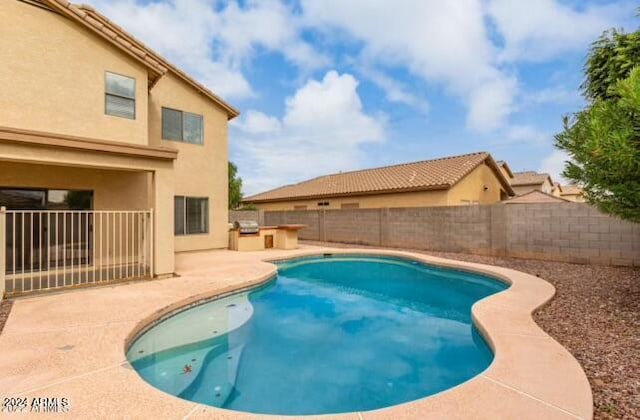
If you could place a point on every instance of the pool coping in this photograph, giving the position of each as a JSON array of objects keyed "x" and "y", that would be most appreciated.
[{"x": 531, "y": 375}]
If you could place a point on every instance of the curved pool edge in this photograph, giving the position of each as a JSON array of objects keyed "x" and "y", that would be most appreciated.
[{"x": 531, "y": 375}]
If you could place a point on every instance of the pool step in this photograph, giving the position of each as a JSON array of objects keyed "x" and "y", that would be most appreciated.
[{"x": 221, "y": 370}]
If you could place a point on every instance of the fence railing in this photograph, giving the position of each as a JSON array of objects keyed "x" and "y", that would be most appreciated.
[{"x": 49, "y": 249}]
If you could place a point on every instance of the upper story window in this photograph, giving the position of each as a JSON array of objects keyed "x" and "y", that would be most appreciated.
[
  {"x": 181, "y": 126},
  {"x": 120, "y": 96}
]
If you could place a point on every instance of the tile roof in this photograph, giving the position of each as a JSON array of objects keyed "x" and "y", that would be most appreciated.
[
  {"x": 504, "y": 165},
  {"x": 435, "y": 174},
  {"x": 126, "y": 42},
  {"x": 536, "y": 196},
  {"x": 529, "y": 178}
]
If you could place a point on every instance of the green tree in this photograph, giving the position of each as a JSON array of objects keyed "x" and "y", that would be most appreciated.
[
  {"x": 611, "y": 59},
  {"x": 235, "y": 187},
  {"x": 603, "y": 140}
]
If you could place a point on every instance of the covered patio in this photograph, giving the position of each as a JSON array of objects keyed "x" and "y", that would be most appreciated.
[{"x": 79, "y": 211}]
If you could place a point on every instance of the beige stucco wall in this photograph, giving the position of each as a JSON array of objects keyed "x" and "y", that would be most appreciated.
[
  {"x": 200, "y": 170},
  {"x": 577, "y": 198},
  {"x": 546, "y": 187},
  {"x": 112, "y": 190},
  {"x": 470, "y": 188},
  {"x": 53, "y": 77}
]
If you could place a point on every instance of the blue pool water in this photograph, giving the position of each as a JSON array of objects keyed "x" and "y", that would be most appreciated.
[{"x": 329, "y": 335}]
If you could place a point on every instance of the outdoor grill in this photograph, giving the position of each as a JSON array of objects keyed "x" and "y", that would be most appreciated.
[{"x": 246, "y": 227}]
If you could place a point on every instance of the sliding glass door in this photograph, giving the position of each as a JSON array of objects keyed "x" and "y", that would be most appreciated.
[{"x": 36, "y": 239}]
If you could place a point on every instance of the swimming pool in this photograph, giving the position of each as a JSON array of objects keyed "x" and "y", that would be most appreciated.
[{"x": 328, "y": 335}]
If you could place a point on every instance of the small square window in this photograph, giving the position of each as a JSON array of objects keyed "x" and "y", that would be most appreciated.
[
  {"x": 120, "y": 96},
  {"x": 191, "y": 215}
]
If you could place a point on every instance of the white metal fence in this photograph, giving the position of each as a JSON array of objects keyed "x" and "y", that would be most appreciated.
[{"x": 49, "y": 249}]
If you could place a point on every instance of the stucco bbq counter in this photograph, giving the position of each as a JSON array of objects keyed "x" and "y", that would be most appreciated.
[{"x": 267, "y": 237}]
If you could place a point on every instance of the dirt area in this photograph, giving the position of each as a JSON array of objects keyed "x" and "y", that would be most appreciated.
[{"x": 596, "y": 316}]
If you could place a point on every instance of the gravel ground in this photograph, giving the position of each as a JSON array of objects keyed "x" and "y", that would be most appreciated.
[{"x": 595, "y": 314}]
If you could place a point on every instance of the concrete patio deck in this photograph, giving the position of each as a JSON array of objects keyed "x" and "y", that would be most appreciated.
[{"x": 72, "y": 345}]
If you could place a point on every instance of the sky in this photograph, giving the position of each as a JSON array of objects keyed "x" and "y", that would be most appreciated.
[{"x": 330, "y": 85}]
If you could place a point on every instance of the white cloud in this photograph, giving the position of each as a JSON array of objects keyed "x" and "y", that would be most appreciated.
[
  {"x": 396, "y": 91},
  {"x": 490, "y": 103},
  {"x": 321, "y": 132},
  {"x": 520, "y": 135},
  {"x": 270, "y": 24},
  {"x": 212, "y": 43},
  {"x": 556, "y": 95},
  {"x": 256, "y": 122},
  {"x": 441, "y": 42},
  {"x": 541, "y": 29},
  {"x": 554, "y": 164},
  {"x": 526, "y": 134}
]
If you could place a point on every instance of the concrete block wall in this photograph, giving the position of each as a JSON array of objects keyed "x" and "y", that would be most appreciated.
[
  {"x": 255, "y": 215},
  {"x": 457, "y": 229},
  {"x": 311, "y": 219},
  {"x": 571, "y": 232},
  {"x": 353, "y": 226}
]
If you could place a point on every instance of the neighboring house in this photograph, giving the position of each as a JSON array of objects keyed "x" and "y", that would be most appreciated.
[
  {"x": 523, "y": 182},
  {"x": 557, "y": 189},
  {"x": 451, "y": 181},
  {"x": 506, "y": 170},
  {"x": 93, "y": 120},
  {"x": 535, "y": 196},
  {"x": 572, "y": 193}
]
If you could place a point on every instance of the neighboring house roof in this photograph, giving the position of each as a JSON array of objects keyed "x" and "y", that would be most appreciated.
[
  {"x": 506, "y": 167},
  {"x": 435, "y": 174},
  {"x": 556, "y": 185},
  {"x": 536, "y": 196},
  {"x": 121, "y": 39},
  {"x": 571, "y": 190},
  {"x": 530, "y": 178}
]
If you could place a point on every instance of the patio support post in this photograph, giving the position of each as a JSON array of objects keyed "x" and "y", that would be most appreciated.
[
  {"x": 162, "y": 219},
  {"x": 3, "y": 250}
]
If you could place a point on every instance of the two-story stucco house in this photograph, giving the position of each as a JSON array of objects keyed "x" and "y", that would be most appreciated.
[{"x": 95, "y": 124}]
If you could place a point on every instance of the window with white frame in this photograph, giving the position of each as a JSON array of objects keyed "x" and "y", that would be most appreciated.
[
  {"x": 120, "y": 96},
  {"x": 181, "y": 126},
  {"x": 191, "y": 215}
]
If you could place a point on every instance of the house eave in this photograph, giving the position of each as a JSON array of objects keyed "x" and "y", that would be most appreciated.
[
  {"x": 349, "y": 194},
  {"x": 45, "y": 139}
]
